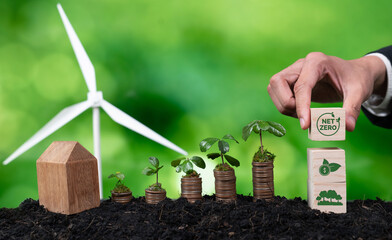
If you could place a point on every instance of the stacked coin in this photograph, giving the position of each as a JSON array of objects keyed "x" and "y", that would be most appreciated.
[
  {"x": 225, "y": 185},
  {"x": 191, "y": 188},
  {"x": 263, "y": 180},
  {"x": 154, "y": 197},
  {"x": 122, "y": 197}
]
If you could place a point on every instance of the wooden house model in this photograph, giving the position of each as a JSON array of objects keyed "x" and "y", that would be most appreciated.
[{"x": 67, "y": 176}]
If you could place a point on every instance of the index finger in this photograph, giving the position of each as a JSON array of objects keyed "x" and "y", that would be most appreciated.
[
  {"x": 311, "y": 73},
  {"x": 280, "y": 88}
]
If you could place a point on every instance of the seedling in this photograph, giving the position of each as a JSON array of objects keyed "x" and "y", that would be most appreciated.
[
  {"x": 149, "y": 171},
  {"x": 120, "y": 187},
  {"x": 185, "y": 165},
  {"x": 224, "y": 148},
  {"x": 259, "y": 126}
]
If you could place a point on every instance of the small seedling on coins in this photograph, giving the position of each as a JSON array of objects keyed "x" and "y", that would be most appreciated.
[
  {"x": 224, "y": 148},
  {"x": 149, "y": 171},
  {"x": 120, "y": 187},
  {"x": 185, "y": 165}
]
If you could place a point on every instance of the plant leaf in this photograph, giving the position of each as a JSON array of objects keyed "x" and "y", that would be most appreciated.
[
  {"x": 263, "y": 125},
  {"x": 207, "y": 143},
  {"x": 154, "y": 161},
  {"x": 186, "y": 166},
  {"x": 148, "y": 171},
  {"x": 325, "y": 161},
  {"x": 213, "y": 155},
  {"x": 276, "y": 128},
  {"x": 120, "y": 176},
  {"x": 178, "y": 168},
  {"x": 247, "y": 130},
  {"x": 229, "y": 136},
  {"x": 256, "y": 128},
  {"x": 334, "y": 167},
  {"x": 233, "y": 162},
  {"x": 177, "y": 162},
  {"x": 198, "y": 161},
  {"x": 223, "y": 146},
  {"x": 112, "y": 175}
]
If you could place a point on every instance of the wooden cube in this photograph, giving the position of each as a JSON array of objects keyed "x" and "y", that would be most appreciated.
[
  {"x": 67, "y": 176},
  {"x": 327, "y": 197},
  {"x": 327, "y": 124},
  {"x": 326, "y": 165}
]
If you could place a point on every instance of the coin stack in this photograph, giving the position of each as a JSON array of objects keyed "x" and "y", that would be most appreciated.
[
  {"x": 263, "y": 180},
  {"x": 225, "y": 185}
]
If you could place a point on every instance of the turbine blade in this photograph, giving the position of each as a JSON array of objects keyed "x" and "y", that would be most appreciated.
[
  {"x": 63, "y": 117},
  {"x": 127, "y": 121},
  {"x": 83, "y": 59}
]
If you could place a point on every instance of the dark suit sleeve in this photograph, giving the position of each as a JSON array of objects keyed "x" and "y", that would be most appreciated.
[
  {"x": 385, "y": 122},
  {"x": 387, "y": 52}
]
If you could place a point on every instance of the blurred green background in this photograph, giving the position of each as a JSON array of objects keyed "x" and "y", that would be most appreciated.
[{"x": 188, "y": 70}]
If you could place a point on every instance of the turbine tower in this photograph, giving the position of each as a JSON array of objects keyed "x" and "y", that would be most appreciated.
[{"x": 95, "y": 101}]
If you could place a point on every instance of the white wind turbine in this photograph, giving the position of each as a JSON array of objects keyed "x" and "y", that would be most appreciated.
[{"x": 95, "y": 101}]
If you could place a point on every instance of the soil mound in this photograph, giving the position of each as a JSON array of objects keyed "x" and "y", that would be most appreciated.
[{"x": 206, "y": 219}]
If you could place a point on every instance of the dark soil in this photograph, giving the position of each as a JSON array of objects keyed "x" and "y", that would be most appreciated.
[{"x": 244, "y": 219}]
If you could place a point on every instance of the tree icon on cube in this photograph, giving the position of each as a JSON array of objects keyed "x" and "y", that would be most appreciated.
[{"x": 330, "y": 194}]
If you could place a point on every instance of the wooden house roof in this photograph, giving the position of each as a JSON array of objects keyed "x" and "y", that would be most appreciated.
[{"x": 65, "y": 151}]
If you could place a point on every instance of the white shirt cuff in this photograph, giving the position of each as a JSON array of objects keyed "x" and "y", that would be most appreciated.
[{"x": 373, "y": 104}]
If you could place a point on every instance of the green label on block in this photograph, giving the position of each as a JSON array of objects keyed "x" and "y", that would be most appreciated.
[
  {"x": 327, "y": 167},
  {"x": 327, "y": 124},
  {"x": 329, "y": 198}
]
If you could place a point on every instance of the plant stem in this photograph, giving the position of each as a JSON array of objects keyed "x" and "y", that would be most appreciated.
[
  {"x": 223, "y": 162},
  {"x": 157, "y": 178},
  {"x": 261, "y": 143}
]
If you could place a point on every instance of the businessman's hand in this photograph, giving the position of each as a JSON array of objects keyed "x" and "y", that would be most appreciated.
[{"x": 322, "y": 78}]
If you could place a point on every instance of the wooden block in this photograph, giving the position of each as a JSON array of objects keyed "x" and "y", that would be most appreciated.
[
  {"x": 67, "y": 176},
  {"x": 326, "y": 165},
  {"x": 327, "y": 124},
  {"x": 327, "y": 197}
]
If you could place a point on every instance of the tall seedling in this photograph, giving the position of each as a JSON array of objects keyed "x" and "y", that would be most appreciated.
[
  {"x": 262, "y": 170},
  {"x": 258, "y": 127}
]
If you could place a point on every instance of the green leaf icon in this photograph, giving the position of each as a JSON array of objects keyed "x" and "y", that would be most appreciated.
[
  {"x": 325, "y": 161},
  {"x": 334, "y": 167},
  {"x": 338, "y": 120},
  {"x": 332, "y": 114}
]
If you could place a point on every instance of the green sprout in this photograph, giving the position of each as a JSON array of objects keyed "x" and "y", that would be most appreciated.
[
  {"x": 259, "y": 126},
  {"x": 223, "y": 148},
  {"x": 149, "y": 171},
  {"x": 185, "y": 165},
  {"x": 120, "y": 187}
]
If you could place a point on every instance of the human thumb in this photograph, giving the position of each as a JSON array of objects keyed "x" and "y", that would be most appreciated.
[{"x": 352, "y": 106}]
